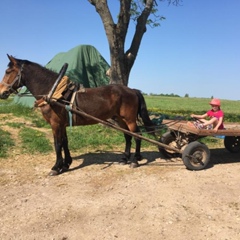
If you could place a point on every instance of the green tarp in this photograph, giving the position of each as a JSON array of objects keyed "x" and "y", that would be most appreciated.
[{"x": 85, "y": 66}]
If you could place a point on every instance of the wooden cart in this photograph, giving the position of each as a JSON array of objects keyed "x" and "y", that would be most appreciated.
[{"x": 183, "y": 136}]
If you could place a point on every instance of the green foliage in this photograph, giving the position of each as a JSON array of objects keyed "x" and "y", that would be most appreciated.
[
  {"x": 6, "y": 142},
  {"x": 138, "y": 6},
  {"x": 34, "y": 141}
]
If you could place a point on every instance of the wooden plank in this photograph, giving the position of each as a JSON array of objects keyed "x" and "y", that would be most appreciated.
[{"x": 232, "y": 129}]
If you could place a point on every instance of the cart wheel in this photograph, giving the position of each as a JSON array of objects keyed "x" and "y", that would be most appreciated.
[
  {"x": 168, "y": 138},
  {"x": 196, "y": 156},
  {"x": 232, "y": 144}
]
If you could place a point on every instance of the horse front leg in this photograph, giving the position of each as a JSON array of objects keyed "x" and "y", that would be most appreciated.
[
  {"x": 61, "y": 142},
  {"x": 68, "y": 159},
  {"x": 57, "y": 168}
]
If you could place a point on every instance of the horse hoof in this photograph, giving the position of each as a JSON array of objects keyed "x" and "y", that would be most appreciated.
[
  {"x": 123, "y": 162},
  {"x": 138, "y": 157},
  {"x": 53, "y": 173},
  {"x": 134, "y": 165},
  {"x": 64, "y": 169}
]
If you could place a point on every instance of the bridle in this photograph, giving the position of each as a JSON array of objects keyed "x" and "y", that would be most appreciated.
[{"x": 16, "y": 80}]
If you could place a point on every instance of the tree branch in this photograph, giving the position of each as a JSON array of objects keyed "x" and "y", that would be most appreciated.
[
  {"x": 93, "y": 2},
  {"x": 101, "y": 7},
  {"x": 140, "y": 29},
  {"x": 123, "y": 18}
]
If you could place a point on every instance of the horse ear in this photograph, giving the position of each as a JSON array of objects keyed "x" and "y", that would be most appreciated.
[{"x": 12, "y": 59}]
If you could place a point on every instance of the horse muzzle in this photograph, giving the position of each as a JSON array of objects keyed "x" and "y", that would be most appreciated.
[{"x": 4, "y": 94}]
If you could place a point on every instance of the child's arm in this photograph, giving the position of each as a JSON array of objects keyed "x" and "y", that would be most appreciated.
[{"x": 199, "y": 116}]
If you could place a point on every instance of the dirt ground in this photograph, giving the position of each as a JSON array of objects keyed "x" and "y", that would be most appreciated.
[{"x": 100, "y": 199}]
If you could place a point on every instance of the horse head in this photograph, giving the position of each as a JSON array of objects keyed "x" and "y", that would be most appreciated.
[{"x": 12, "y": 78}]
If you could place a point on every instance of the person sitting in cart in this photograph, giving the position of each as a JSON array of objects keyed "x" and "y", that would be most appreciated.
[{"x": 216, "y": 116}]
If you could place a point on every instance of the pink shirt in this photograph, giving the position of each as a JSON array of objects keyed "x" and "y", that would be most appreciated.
[{"x": 217, "y": 115}]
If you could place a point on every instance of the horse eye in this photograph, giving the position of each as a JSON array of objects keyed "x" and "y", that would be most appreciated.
[{"x": 8, "y": 71}]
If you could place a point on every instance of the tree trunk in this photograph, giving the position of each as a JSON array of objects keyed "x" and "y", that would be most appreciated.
[{"x": 121, "y": 61}]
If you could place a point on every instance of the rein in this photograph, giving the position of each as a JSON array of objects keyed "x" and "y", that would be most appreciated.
[{"x": 17, "y": 79}]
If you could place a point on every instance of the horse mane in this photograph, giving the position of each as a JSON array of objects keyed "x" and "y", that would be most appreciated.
[{"x": 39, "y": 70}]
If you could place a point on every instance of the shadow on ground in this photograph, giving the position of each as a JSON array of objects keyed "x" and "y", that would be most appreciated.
[{"x": 153, "y": 158}]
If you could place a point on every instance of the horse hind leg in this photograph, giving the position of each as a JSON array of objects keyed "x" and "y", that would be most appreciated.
[
  {"x": 137, "y": 156},
  {"x": 132, "y": 127},
  {"x": 128, "y": 142},
  {"x": 127, "y": 152}
]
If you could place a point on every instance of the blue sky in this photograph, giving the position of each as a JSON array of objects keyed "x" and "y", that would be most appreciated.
[{"x": 196, "y": 50}]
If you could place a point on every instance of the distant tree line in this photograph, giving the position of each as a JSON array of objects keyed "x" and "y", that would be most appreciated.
[
  {"x": 162, "y": 94},
  {"x": 165, "y": 95},
  {"x": 168, "y": 95}
]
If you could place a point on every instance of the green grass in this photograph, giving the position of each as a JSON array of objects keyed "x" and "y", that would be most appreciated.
[
  {"x": 15, "y": 124},
  {"x": 93, "y": 136},
  {"x": 6, "y": 142},
  {"x": 98, "y": 137},
  {"x": 34, "y": 141},
  {"x": 7, "y": 107}
]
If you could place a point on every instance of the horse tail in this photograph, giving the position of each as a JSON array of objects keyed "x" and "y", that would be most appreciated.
[{"x": 143, "y": 113}]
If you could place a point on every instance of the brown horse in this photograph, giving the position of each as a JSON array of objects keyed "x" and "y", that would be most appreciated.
[{"x": 109, "y": 102}]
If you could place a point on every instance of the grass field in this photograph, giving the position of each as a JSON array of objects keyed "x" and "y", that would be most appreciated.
[
  {"x": 95, "y": 137},
  {"x": 178, "y": 106},
  {"x": 189, "y": 104},
  {"x": 164, "y": 105}
]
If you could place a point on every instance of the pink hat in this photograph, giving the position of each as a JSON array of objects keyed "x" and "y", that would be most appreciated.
[{"x": 215, "y": 101}]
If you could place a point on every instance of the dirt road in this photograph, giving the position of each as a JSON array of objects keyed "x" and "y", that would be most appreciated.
[{"x": 99, "y": 199}]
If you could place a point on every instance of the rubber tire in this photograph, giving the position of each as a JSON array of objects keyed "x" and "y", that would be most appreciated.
[
  {"x": 196, "y": 156},
  {"x": 232, "y": 143},
  {"x": 167, "y": 138}
]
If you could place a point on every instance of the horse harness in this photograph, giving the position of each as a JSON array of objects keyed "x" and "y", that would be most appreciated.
[
  {"x": 66, "y": 94},
  {"x": 16, "y": 79}
]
